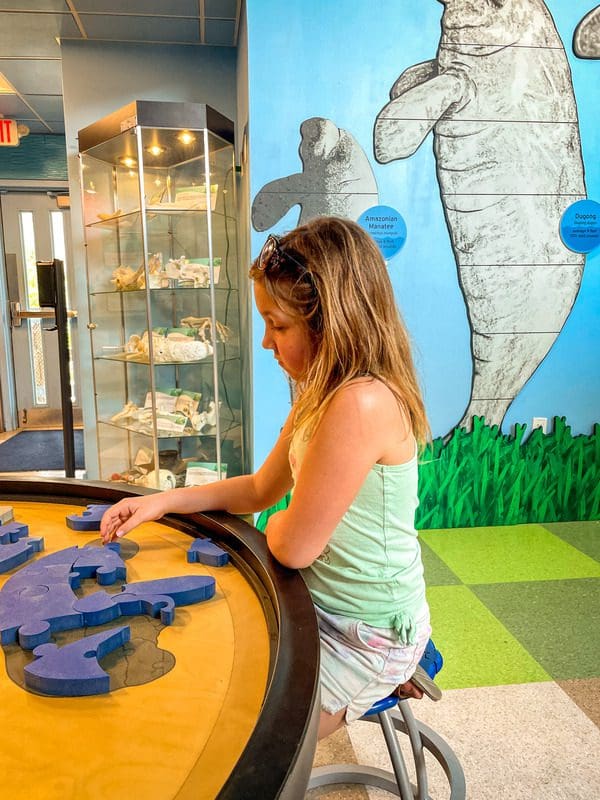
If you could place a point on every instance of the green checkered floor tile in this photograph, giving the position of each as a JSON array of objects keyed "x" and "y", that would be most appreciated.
[
  {"x": 585, "y": 536},
  {"x": 557, "y": 621},
  {"x": 515, "y": 604}
]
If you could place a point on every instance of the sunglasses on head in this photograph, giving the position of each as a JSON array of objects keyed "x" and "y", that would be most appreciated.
[{"x": 273, "y": 257}]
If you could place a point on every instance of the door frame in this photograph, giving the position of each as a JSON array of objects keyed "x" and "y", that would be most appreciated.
[{"x": 9, "y": 420}]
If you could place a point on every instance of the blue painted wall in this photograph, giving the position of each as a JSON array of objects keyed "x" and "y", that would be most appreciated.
[{"x": 312, "y": 58}]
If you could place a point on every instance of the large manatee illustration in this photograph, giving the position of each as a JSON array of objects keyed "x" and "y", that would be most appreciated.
[
  {"x": 586, "y": 39},
  {"x": 336, "y": 179},
  {"x": 500, "y": 102}
]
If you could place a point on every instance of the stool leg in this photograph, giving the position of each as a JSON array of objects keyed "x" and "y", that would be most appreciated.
[
  {"x": 416, "y": 744},
  {"x": 396, "y": 757},
  {"x": 440, "y": 750}
]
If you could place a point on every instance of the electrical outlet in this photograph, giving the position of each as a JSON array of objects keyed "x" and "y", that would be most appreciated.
[{"x": 540, "y": 422}]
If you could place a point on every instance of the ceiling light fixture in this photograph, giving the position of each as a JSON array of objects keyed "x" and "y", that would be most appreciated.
[
  {"x": 128, "y": 161},
  {"x": 156, "y": 150},
  {"x": 185, "y": 137}
]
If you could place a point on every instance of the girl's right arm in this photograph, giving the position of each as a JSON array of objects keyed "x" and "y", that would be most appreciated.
[{"x": 240, "y": 495}]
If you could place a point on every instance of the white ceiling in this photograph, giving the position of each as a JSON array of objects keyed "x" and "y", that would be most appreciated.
[{"x": 31, "y": 30}]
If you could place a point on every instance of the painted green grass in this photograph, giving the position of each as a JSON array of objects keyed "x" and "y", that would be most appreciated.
[{"x": 483, "y": 477}]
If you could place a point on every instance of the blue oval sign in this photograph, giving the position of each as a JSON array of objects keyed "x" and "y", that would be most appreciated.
[
  {"x": 580, "y": 226},
  {"x": 387, "y": 227}
]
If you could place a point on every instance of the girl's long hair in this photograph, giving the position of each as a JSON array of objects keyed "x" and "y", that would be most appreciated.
[{"x": 345, "y": 298}]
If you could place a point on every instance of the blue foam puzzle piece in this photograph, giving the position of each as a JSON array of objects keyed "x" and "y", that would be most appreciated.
[
  {"x": 183, "y": 590},
  {"x": 205, "y": 551},
  {"x": 13, "y": 531},
  {"x": 17, "y": 553},
  {"x": 73, "y": 670},
  {"x": 101, "y": 607},
  {"x": 153, "y": 598},
  {"x": 39, "y": 600},
  {"x": 102, "y": 563},
  {"x": 88, "y": 520}
]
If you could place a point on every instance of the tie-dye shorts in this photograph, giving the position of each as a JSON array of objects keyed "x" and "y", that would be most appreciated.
[{"x": 361, "y": 664}]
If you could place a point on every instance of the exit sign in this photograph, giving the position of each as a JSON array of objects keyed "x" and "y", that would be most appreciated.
[{"x": 8, "y": 133}]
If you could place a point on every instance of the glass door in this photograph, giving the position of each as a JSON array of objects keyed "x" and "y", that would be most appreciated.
[{"x": 35, "y": 230}]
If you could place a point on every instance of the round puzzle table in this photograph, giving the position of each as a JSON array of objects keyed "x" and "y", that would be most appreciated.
[{"x": 221, "y": 704}]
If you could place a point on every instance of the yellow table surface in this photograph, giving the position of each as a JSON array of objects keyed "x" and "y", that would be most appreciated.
[{"x": 178, "y": 736}]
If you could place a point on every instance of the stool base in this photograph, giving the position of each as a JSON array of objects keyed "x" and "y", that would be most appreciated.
[{"x": 421, "y": 738}]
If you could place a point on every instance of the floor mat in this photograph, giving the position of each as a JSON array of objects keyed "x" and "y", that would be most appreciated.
[{"x": 31, "y": 451}]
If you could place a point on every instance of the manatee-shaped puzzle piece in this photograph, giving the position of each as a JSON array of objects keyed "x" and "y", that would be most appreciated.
[
  {"x": 146, "y": 597},
  {"x": 39, "y": 600},
  {"x": 73, "y": 670},
  {"x": 205, "y": 551},
  {"x": 88, "y": 520}
]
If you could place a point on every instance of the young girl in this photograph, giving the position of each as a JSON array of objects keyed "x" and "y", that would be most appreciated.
[{"x": 348, "y": 450}]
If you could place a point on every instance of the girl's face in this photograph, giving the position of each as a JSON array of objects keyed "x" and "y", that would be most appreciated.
[{"x": 286, "y": 335}]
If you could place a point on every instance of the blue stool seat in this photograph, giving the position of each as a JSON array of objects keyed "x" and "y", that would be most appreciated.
[{"x": 394, "y": 714}]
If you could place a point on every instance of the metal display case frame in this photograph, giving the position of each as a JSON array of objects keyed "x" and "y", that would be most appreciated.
[{"x": 160, "y": 216}]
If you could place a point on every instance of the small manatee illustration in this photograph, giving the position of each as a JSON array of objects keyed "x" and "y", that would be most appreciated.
[
  {"x": 336, "y": 179},
  {"x": 499, "y": 100}
]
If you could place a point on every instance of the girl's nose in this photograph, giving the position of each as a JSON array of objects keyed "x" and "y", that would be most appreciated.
[{"x": 267, "y": 342}]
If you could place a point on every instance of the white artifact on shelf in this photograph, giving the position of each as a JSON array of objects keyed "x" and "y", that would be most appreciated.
[
  {"x": 166, "y": 479},
  {"x": 204, "y": 324},
  {"x": 184, "y": 348},
  {"x": 195, "y": 271},
  {"x": 124, "y": 413},
  {"x": 127, "y": 279},
  {"x": 211, "y": 414},
  {"x": 173, "y": 346},
  {"x": 205, "y": 419}
]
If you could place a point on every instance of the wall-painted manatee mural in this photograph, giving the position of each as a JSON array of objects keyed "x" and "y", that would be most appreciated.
[
  {"x": 586, "y": 39},
  {"x": 500, "y": 102},
  {"x": 496, "y": 134},
  {"x": 336, "y": 179}
]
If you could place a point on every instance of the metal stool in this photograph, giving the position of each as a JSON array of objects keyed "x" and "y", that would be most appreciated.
[{"x": 394, "y": 715}]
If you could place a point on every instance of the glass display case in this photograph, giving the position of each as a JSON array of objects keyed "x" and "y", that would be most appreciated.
[{"x": 158, "y": 188}]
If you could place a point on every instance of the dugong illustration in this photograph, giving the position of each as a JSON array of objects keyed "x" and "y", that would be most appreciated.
[
  {"x": 336, "y": 179},
  {"x": 586, "y": 39},
  {"x": 500, "y": 102}
]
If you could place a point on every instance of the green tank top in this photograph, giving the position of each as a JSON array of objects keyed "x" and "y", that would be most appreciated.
[{"x": 371, "y": 568}]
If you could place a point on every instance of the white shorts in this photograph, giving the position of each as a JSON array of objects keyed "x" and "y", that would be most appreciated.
[{"x": 361, "y": 664}]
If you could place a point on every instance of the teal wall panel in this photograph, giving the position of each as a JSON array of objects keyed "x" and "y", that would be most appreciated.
[{"x": 38, "y": 157}]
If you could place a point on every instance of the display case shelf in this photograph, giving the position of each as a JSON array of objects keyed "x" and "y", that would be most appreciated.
[{"x": 160, "y": 223}]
